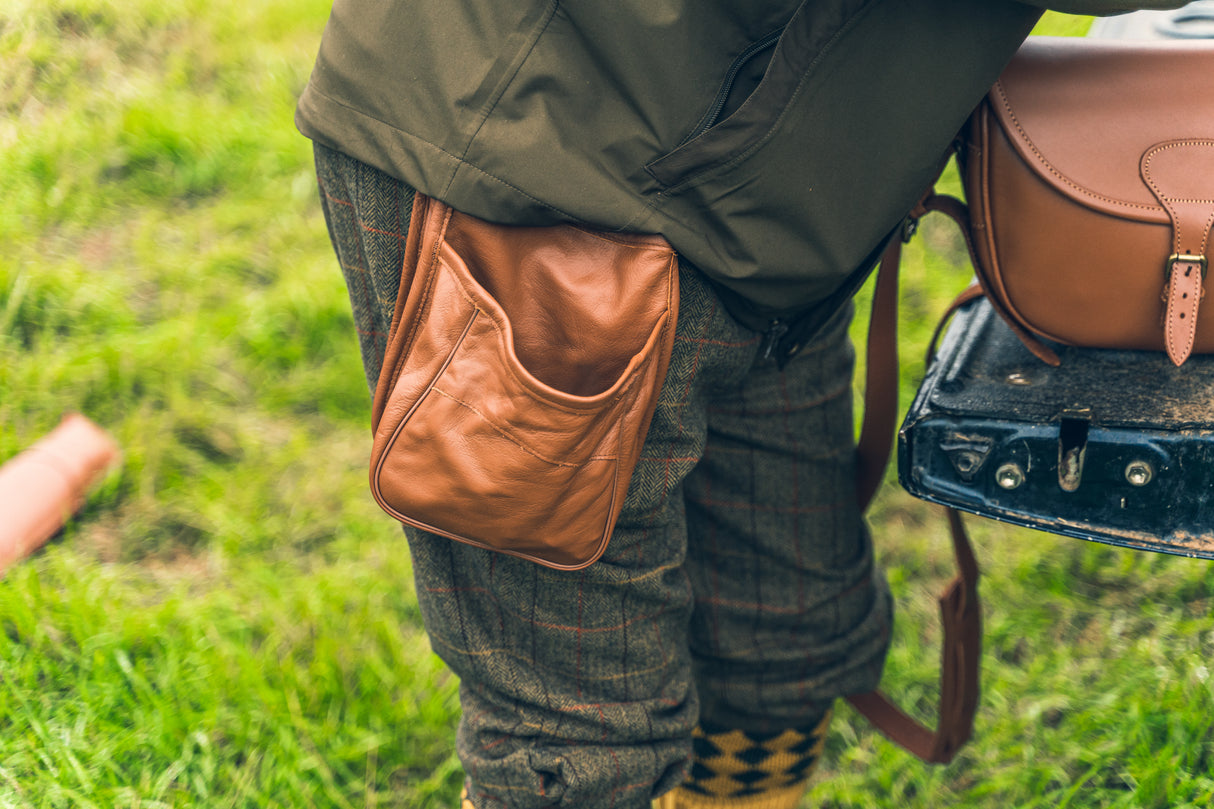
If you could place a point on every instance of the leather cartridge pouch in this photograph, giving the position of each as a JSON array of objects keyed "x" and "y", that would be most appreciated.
[
  {"x": 1089, "y": 172},
  {"x": 522, "y": 370}
]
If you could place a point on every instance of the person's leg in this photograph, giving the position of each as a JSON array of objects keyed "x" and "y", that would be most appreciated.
[
  {"x": 367, "y": 213},
  {"x": 789, "y": 610},
  {"x": 576, "y": 687}
]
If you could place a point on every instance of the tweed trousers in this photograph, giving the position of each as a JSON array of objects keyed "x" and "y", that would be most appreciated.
[{"x": 738, "y": 588}]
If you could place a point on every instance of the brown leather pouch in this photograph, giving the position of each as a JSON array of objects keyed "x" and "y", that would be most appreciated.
[
  {"x": 1089, "y": 172},
  {"x": 522, "y": 370}
]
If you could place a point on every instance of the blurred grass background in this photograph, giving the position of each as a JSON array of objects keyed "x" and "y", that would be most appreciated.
[{"x": 231, "y": 623}]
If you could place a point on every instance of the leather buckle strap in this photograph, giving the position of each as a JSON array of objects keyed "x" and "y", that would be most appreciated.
[
  {"x": 1185, "y": 258},
  {"x": 1177, "y": 173},
  {"x": 1182, "y": 296}
]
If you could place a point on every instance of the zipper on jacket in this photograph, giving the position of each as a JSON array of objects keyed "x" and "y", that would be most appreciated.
[
  {"x": 718, "y": 104},
  {"x": 776, "y": 329}
]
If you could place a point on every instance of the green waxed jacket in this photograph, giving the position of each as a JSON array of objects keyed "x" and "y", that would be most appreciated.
[{"x": 775, "y": 143}]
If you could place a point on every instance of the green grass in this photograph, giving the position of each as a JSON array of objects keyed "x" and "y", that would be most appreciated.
[{"x": 230, "y": 622}]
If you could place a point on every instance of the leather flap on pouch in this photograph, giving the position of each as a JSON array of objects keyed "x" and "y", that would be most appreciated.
[{"x": 1063, "y": 103}]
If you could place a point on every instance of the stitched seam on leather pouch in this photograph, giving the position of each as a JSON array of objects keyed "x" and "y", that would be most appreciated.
[
  {"x": 1174, "y": 145},
  {"x": 1190, "y": 329},
  {"x": 1162, "y": 196},
  {"x": 427, "y": 297},
  {"x": 502, "y": 432},
  {"x": 592, "y": 405},
  {"x": 412, "y": 409},
  {"x": 1024, "y": 136}
]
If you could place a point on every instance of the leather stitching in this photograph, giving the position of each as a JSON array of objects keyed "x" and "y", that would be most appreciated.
[
  {"x": 1180, "y": 318},
  {"x": 1188, "y": 334},
  {"x": 502, "y": 432},
  {"x": 1024, "y": 136},
  {"x": 531, "y": 383},
  {"x": 991, "y": 278},
  {"x": 1205, "y": 239},
  {"x": 543, "y": 395},
  {"x": 1165, "y": 199},
  {"x": 427, "y": 295}
]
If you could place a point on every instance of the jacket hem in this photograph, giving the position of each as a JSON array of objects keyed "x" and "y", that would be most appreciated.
[{"x": 393, "y": 151}]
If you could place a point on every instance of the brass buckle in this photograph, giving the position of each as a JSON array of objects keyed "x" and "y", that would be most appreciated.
[{"x": 1200, "y": 261}]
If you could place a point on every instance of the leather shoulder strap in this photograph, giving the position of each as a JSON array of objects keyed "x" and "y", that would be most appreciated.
[{"x": 959, "y": 607}]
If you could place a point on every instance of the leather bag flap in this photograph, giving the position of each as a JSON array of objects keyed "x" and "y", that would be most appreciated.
[{"x": 1065, "y": 104}]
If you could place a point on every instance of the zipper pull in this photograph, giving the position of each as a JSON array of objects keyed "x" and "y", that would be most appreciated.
[{"x": 771, "y": 338}]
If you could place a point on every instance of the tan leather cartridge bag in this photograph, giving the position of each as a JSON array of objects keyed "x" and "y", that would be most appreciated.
[
  {"x": 522, "y": 370},
  {"x": 1090, "y": 181}
]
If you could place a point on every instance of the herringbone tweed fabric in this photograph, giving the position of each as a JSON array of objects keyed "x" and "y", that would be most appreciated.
[
  {"x": 368, "y": 216},
  {"x": 738, "y": 588}
]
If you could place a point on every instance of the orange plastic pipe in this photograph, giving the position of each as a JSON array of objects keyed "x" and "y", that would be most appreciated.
[{"x": 46, "y": 484}]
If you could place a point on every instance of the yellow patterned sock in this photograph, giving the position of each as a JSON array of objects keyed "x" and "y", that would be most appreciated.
[{"x": 734, "y": 769}]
